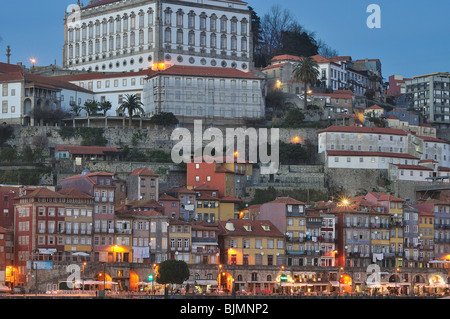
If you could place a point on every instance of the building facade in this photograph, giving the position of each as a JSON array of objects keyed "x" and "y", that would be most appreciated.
[{"x": 119, "y": 36}]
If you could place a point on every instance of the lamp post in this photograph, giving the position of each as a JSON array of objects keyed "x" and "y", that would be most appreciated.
[
  {"x": 219, "y": 269},
  {"x": 395, "y": 278},
  {"x": 84, "y": 264},
  {"x": 340, "y": 290},
  {"x": 153, "y": 269}
]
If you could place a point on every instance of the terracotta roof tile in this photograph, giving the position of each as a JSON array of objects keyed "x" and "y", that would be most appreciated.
[
  {"x": 358, "y": 129},
  {"x": 205, "y": 71},
  {"x": 256, "y": 228},
  {"x": 143, "y": 171},
  {"x": 374, "y": 154}
]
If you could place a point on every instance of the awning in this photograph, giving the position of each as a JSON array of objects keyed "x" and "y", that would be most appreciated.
[
  {"x": 205, "y": 282},
  {"x": 80, "y": 254},
  {"x": 46, "y": 251},
  {"x": 439, "y": 262}
]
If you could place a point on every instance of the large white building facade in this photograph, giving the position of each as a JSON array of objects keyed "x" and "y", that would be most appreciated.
[
  {"x": 218, "y": 95},
  {"x": 376, "y": 148},
  {"x": 131, "y": 35}
]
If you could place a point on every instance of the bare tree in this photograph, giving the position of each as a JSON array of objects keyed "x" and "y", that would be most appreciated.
[
  {"x": 325, "y": 50},
  {"x": 273, "y": 24}
]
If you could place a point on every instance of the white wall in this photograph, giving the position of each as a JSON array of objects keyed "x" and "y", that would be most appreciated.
[{"x": 12, "y": 100}]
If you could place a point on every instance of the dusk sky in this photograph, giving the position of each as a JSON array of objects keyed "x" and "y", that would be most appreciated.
[{"x": 413, "y": 38}]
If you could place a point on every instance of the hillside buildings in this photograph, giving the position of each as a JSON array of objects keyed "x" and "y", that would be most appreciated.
[{"x": 431, "y": 96}]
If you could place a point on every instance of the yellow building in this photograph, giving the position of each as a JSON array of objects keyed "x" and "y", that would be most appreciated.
[
  {"x": 207, "y": 207},
  {"x": 251, "y": 242},
  {"x": 180, "y": 236},
  {"x": 229, "y": 208},
  {"x": 426, "y": 237}
]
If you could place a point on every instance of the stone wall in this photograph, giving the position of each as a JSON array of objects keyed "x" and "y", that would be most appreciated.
[
  {"x": 356, "y": 182},
  {"x": 157, "y": 137}
]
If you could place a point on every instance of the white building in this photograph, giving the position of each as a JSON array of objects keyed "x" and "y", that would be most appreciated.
[
  {"x": 215, "y": 94},
  {"x": 112, "y": 87},
  {"x": 375, "y": 148},
  {"x": 130, "y": 35},
  {"x": 366, "y": 160},
  {"x": 30, "y": 99}
]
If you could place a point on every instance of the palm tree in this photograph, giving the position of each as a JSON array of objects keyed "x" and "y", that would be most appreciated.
[
  {"x": 105, "y": 106},
  {"x": 306, "y": 71},
  {"x": 131, "y": 104},
  {"x": 91, "y": 107}
]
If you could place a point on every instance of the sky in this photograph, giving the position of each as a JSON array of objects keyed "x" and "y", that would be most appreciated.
[{"x": 413, "y": 37}]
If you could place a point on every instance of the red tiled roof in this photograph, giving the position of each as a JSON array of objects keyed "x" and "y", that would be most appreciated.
[
  {"x": 386, "y": 197},
  {"x": 72, "y": 192},
  {"x": 375, "y": 107},
  {"x": 431, "y": 139},
  {"x": 43, "y": 192},
  {"x": 256, "y": 228},
  {"x": 143, "y": 171},
  {"x": 373, "y": 154},
  {"x": 273, "y": 66},
  {"x": 287, "y": 201},
  {"x": 340, "y": 58},
  {"x": 11, "y": 77},
  {"x": 89, "y": 175},
  {"x": 87, "y": 150},
  {"x": 205, "y": 71},
  {"x": 181, "y": 189},
  {"x": 100, "y": 75},
  {"x": 286, "y": 57},
  {"x": 53, "y": 81},
  {"x": 9, "y": 68},
  {"x": 334, "y": 95},
  {"x": 413, "y": 167},
  {"x": 428, "y": 161},
  {"x": 358, "y": 129},
  {"x": 167, "y": 197},
  {"x": 205, "y": 187}
]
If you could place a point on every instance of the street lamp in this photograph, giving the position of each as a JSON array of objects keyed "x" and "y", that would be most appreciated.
[
  {"x": 84, "y": 264},
  {"x": 395, "y": 278},
  {"x": 340, "y": 290},
  {"x": 219, "y": 268}
]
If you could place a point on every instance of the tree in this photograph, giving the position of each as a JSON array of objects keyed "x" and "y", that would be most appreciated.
[
  {"x": 91, "y": 107},
  {"x": 104, "y": 107},
  {"x": 325, "y": 50},
  {"x": 28, "y": 154},
  {"x": 6, "y": 132},
  {"x": 164, "y": 118},
  {"x": 131, "y": 104},
  {"x": 8, "y": 154},
  {"x": 172, "y": 272},
  {"x": 307, "y": 71},
  {"x": 273, "y": 24},
  {"x": 258, "y": 56},
  {"x": 294, "y": 118},
  {"x": 298, "y": 42},
  {"x": 76, "y": 109}
]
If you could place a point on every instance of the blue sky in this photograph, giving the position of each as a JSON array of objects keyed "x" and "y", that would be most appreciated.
[{"x": 413, "y": 38}]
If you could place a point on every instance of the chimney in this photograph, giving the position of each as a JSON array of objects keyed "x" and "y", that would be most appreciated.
[{"x": 8, "y": 54}]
